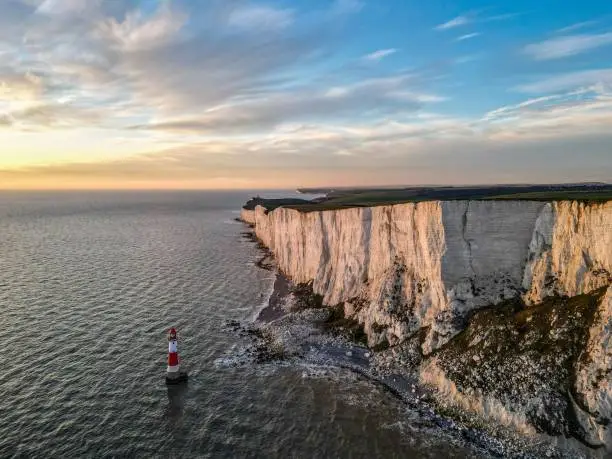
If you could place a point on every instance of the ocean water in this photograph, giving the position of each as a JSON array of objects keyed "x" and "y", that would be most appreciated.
[{"x": 90, "y": 284}]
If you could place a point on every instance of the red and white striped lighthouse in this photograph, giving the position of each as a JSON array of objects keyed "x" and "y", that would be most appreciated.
[{"x": 173, "y": 373}]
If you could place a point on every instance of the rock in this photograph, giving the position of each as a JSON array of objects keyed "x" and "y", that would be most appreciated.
[
  {"x": 529, "y": 386},
  {"x": 594, "y": 374},
  {"x": 428, "y": 264},
  {"x": 418, "y": 272}
]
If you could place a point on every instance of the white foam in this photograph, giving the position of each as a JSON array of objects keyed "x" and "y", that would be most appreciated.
[{"x": 266, "y": 299}]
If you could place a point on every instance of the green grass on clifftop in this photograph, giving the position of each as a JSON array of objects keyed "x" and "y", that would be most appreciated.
[
  {"x": 399, "y": 197},
  {"x": 589, "y": 196},
  {"x": 354, "y": 198}
]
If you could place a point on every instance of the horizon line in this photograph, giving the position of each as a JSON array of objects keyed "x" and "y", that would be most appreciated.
[{"x": 298, "y": 188}]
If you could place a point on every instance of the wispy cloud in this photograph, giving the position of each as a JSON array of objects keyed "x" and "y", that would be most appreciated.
[
  {"x": 55, "y": 115},
  {"x": 467, "y": 58},
  {"x": 577, "y": 26},
  {"x": 5, "y": 120},
  {"x": 373, "y": 97},
  {"x": 347, "y": 6},
  {"x": 541, "y": 104},
  {"x": 261, "y": 17},
  {"x": 65, "y": 7},
  {"x": 574, "y": 114},
  {"x": 455, "y": 22},
  {"x": 571, "y": 80},
  {"x": 110, "y": 55},
  {"x": 137, "y": 32},
  {"x": 536, "y": 145},
  {"x": 473, "y": 17},
  {"x": 244, "y": 90},
  {"x": 566, "y": 46},
  {"x": 380, "y": 54},
  {"x": 468, "y": 36},
  {"x": 501, "y": 17},
  {"x": 17, "y": 86}
]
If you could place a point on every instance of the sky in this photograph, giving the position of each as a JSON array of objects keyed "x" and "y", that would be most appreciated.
[{"x": 297, "y": 93}]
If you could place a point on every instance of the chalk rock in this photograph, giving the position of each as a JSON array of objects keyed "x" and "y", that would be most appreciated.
[{"x": 429, "y": 264}]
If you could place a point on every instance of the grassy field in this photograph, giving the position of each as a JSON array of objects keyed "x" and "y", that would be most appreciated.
[
  {"x": 390, "y": 198},
  {"x": 272, "y": 204},
  {"x": 351, "y": 198},
  {"x": 592, "y": 196}
]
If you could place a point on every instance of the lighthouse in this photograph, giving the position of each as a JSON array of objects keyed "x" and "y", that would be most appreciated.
[{"x": 173, "y": 374}]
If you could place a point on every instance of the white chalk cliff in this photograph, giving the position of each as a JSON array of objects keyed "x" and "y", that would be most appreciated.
[
  {"x": 399, "y": 268},
  {"x": 402, "y": 267},
  {"x": 593, "y": 378}
]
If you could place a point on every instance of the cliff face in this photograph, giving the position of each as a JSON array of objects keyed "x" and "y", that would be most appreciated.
[
  {"x": 570, "y": 251},
  {"x": 429, "y": 266},
  {"x": 399, "y": 268},
  {"x": 543, "y": 368},
  {"x": 593, "y": 378},
  {"x": 248, "y": 216}
]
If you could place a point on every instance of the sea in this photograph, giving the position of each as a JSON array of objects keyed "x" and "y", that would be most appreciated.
[{"x": 90, "y": 283}]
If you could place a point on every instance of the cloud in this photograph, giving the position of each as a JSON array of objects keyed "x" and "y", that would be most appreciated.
[
  {"x": 347, "y": 6},
  {"x": 580, "y": 103},
  {"x": 19, "y": 86},
  {"x": 577, "y": 26},
  {"x": 455, "y": 22},
  {"x": 544, "y": 131},
  {"x": 158, "y": 61},
  {"x": 573, "y": 115},
  {"x": 66, "y": 7},
  {"x": 204, "y": 72},
  {"x": 468, "y": 36},
  {"x": 566, "y": 46},
  {"x": 392, "y": 153},
  {"x": 568, "y": 81},
  {"x": 380, "y": 54},
  {"x": 473, "y": 17},
  {"x": 512, "y": 110},
  {"x": 501, "y": 17},
  {"x": 261, "y": 17},
  {"x": 243, "y": 90},
  {"x": 373, "y": 97},
  {"x": 5, "y": 120},
  {"x": 137, "y": 32},
  {"x": 467, "y": 58},
  {"x": 14, "y": 14},
  {"x": 50, "y": 115}
]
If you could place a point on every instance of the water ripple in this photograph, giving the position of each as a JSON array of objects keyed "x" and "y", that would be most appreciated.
[{"x": 88, "y": 287}]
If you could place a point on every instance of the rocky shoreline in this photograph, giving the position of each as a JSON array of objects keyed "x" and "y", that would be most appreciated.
[
  {"x": 421, "y": 276},
  {"x": 295, "y": 326}
]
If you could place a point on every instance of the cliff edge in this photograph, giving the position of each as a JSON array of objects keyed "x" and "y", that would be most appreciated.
[{"x": 429, "y": 269}]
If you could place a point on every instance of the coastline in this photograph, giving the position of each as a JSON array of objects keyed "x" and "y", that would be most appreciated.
[
  {"x": 281, "y": 291},
  {"x": 280, "y": 331}
]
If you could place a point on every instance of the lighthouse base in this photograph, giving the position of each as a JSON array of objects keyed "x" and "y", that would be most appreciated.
[{"x": 180, "y": 378}]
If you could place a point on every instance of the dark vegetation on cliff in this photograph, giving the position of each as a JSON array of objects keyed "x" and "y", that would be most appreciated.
[
  {"x": 523, "y": 356},
  {"x": 526, "y": 357},
  {"x": 271, "y": 204},
  {"x": 337, "y": 323},
  {"x": 368, "y": 197},
  {"x": 511, "y": 361}
]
